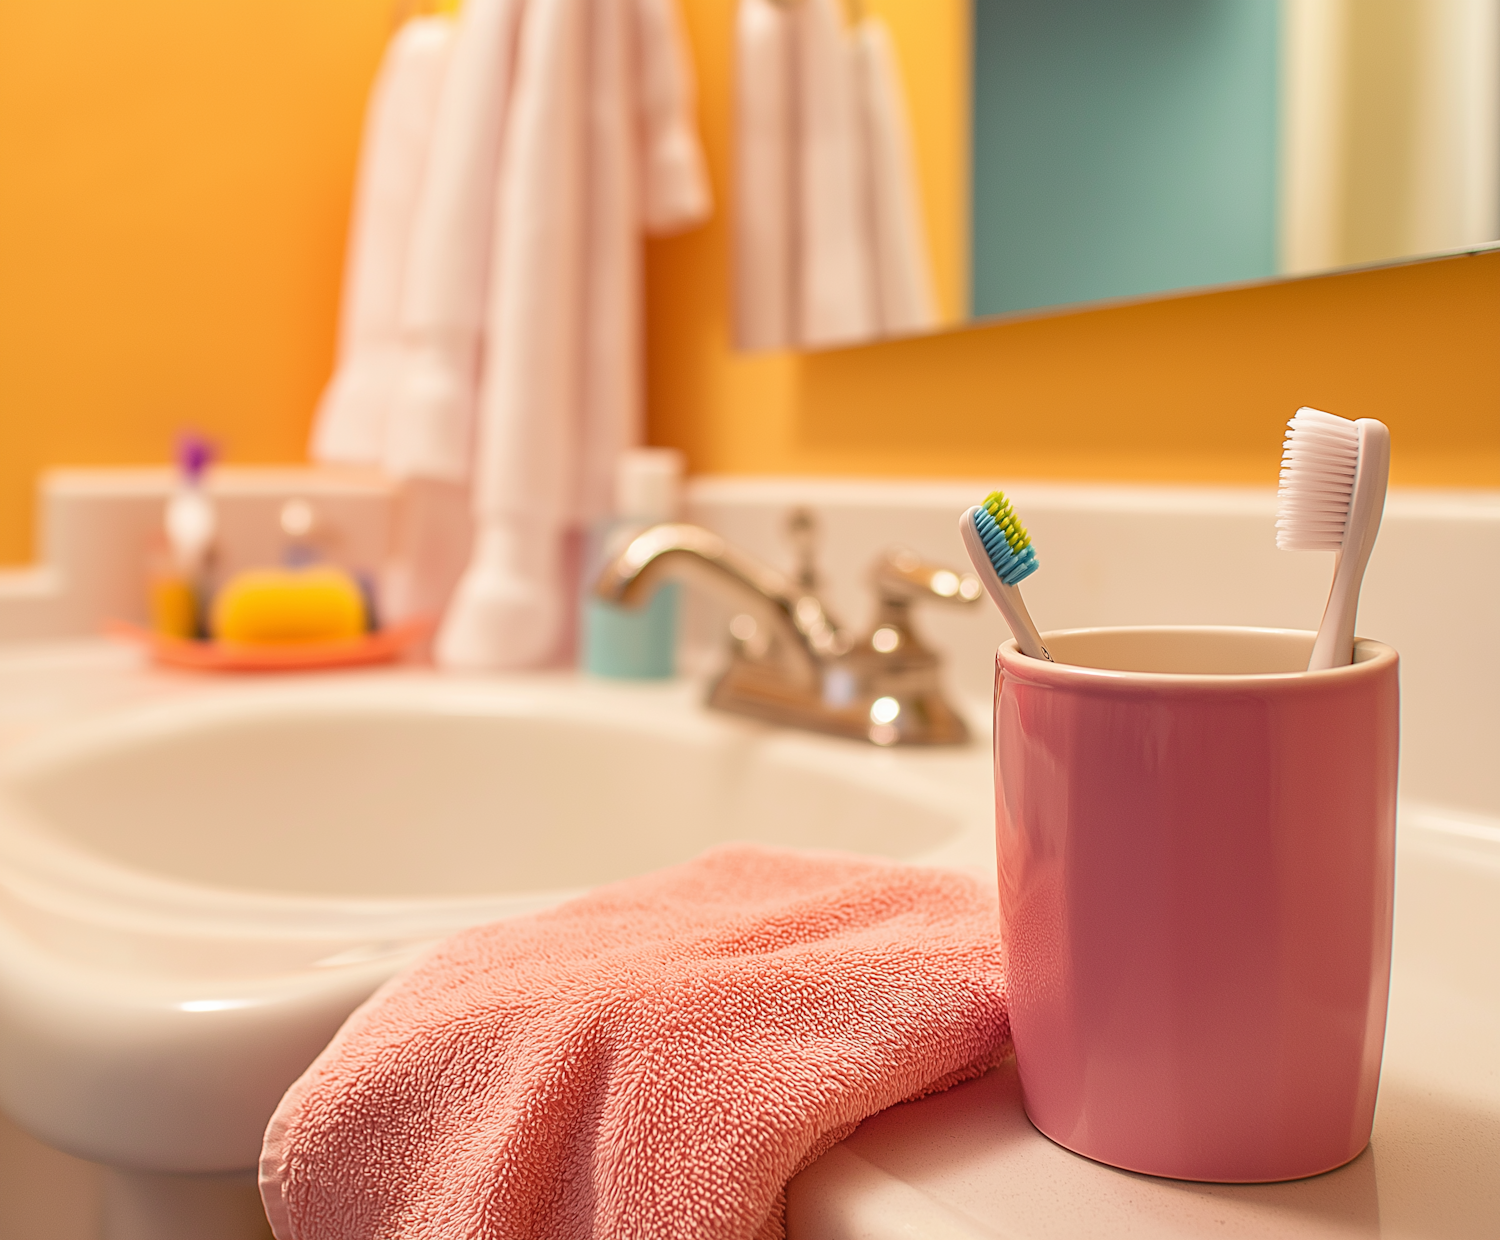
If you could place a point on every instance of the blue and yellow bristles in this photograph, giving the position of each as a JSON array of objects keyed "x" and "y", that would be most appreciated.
[
  {"x": 1001, "y": 550},
  {"x": 1006, "y": 539}
]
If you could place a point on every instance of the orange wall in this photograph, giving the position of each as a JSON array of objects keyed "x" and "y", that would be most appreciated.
[{"x": 174, "y": 182}]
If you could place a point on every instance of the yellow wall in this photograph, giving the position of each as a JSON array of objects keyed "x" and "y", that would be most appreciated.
[{"x": 174, "y": 182}]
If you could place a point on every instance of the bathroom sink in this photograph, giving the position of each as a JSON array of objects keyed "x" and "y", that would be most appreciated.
[
  {"x": 427, "y": 795},
  {"x": 195, "y": 891}
]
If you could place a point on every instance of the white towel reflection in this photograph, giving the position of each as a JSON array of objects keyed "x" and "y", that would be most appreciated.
[{"x": 829, "y": 243}]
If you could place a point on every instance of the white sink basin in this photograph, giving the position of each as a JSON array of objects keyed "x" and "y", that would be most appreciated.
[
  {"x": 195, "y": 893},
  {"x": 422, "y": 794}
]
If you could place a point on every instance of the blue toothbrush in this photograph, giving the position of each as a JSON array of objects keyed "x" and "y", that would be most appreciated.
[{"x": 1003, "y": 556}]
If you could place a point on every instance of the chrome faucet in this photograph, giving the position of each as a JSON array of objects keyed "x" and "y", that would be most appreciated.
[{"x": 790, "y": 662}]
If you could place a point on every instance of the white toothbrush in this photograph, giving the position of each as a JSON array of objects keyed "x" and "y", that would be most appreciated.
[
  {"x": 1002, "y": 555},
  {"x": 1332, "y": 495}
]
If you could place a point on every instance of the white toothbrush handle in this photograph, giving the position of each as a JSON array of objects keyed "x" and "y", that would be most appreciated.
[
  {"x": 1006, "y": 598},
  {"x": 1335, "y": 644}
]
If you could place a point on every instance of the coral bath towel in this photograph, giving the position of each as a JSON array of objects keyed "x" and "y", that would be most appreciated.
[{"x": 653, "y": 1060}]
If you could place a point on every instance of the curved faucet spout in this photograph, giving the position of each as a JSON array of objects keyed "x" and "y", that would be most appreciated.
[
  {"x": 800, "y": 633},
  {"x": 790, "y": 663}
]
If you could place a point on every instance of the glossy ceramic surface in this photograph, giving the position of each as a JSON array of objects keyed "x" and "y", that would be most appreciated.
[
  {"x": 1196, "y": 846},
  {"x": 197, "y": 888}
]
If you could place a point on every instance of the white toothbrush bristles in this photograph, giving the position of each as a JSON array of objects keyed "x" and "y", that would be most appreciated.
[
  {"x": 1318, "y": 464},
  {"x": 1333, "y": 480}
]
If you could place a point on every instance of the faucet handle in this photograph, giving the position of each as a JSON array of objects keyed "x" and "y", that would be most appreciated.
[
  {"x": 802, "y": 532},
  {"x": 902, "y": 576}
]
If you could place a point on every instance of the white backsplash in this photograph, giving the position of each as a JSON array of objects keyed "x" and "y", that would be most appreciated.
[
  {"x": 96, "y": 529},
  {"x": 1110, "y": 554},
  {"x": 1116, "y": 555}
]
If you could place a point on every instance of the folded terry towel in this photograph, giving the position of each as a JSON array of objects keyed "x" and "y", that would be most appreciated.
[{"x": 655, "y": 1059}]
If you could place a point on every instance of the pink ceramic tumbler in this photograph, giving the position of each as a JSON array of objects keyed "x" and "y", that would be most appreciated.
[{"x": 1197, "y": 854}]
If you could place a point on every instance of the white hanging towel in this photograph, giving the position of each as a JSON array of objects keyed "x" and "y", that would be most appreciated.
[
  {"x": 447, "y": 272},
  {"x": 828, "y": 235},
  {"x": 352, "y": 417},
  {"x": 430, "y": 433},
  {"x": 905, "y": 296},
  {"x": 765, "y": 153},
  {"x": 836, "y": 303},
  {"x": 599, "y": 145},
  {"x": 675, "y": 194}
]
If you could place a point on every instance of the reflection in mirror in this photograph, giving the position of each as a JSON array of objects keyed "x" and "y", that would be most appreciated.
[
  {"x": 829, "y": 241},
  {"x": 905, "y": 164}
]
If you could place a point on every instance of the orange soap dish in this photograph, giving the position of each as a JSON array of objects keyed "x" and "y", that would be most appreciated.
[{"x": 381, "y": 646}]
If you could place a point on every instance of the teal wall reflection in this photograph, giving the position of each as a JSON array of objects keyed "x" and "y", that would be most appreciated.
[{"x": 1122, "y": 147}]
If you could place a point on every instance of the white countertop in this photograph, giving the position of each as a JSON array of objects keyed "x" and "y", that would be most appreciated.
[{"x": 967, "y": 1164}]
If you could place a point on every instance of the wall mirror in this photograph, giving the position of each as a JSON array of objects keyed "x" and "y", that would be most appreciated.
[{"x": 908, "y": 165}]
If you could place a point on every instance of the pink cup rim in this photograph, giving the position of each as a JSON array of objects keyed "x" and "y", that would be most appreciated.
[{"x": 1371, "y": 658}]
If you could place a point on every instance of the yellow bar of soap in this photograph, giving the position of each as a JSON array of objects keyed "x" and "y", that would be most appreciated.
[{"x": 279, "y": 607}]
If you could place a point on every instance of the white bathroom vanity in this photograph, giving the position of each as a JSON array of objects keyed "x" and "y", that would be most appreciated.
[{"x": 200, "y": 877}]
